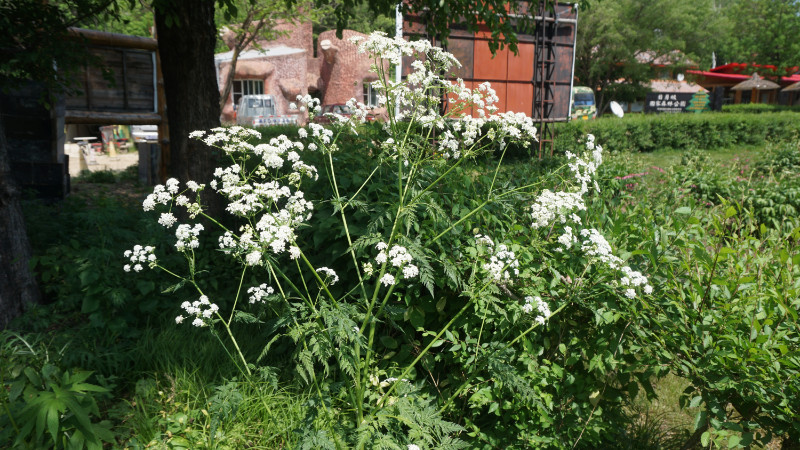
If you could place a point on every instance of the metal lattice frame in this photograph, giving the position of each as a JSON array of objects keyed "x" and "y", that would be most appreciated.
[{"x": 544, "y": 60}]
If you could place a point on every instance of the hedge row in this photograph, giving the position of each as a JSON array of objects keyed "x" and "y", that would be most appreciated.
[
  {"x": 645, "y": 133},
  {"x": 758, "y": 108}
]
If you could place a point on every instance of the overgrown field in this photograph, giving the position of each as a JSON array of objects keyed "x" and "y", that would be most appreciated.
[{"x": 709, "y": 358}]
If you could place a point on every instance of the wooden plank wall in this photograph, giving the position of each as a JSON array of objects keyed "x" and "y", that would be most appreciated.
[{"x": 125, "y": 82}]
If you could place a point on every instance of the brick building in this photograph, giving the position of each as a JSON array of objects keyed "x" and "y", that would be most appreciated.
[{"x": 290, "y": 65}]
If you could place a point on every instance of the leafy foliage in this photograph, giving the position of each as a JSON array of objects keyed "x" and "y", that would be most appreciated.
[
  {"x": 44, "y": 405},
  {"x": 707, "y": 131}
]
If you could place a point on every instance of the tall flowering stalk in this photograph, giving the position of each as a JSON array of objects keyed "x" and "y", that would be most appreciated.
[{"x": 334, "y": 327}]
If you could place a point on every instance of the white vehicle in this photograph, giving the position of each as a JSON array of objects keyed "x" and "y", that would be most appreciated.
[
  {"x": 144, "y": 133},
  {"x": 259, "y": 110}
]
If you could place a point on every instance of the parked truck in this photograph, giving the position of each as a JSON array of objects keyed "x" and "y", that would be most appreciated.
[{"x": 259, "y": 111}]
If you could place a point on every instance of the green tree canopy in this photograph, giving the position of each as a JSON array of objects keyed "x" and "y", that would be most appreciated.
[
  {"x": 764, "y": 32},
  {"x": 619, "y": 42}
]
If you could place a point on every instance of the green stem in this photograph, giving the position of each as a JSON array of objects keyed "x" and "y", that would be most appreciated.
[
  {"x": 238, "y": 292},
  {"x": 236, "y": 345}
]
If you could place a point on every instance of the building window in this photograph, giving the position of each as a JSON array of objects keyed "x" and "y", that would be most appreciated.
[
  {"x": 370, "y": 94},
  {"x": 246, "y": 87}
]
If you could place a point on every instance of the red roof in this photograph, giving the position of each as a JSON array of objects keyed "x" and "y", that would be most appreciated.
[
  {"x": 748, "y": 69},
  {"x": 736, "y": 72}
]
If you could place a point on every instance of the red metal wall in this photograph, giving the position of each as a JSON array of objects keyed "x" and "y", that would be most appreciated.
[{"x": 511, "y": 75}]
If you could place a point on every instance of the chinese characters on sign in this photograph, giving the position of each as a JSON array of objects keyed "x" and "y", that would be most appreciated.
[{"x": 675, "y": 103}]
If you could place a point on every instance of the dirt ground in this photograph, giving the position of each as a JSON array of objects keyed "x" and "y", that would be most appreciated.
[{"x": 98, "y": 161}]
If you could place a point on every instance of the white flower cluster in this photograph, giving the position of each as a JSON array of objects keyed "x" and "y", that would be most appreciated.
[
  {"x": 161, "y": 195},
  {"x": 166, "y": 194},
  {"x": 541, "y": 307},
  {"x": 567, "y": 239},
  {"x": 323, "y": 134},
  {"x": 202, "y": 310},
  {"x": 231, "y": 140},
  {"x": 556, "y": 206},
  {"x": 502, "y": 261},
  {"x": 397, "y": 256},
  {"x": 138, "y": 256},
  {"x": 307, "y": 103},
  {"x": 259, "y": 293},
  {"x": 420, "y": 97},
  {"x": 561, "y": 208},
  {"x": 393, "y": 49},
  {"x": 187, "y": 236},
  {"x": 358, "y": 114},
  {"x": 273, "y": 208},
  {"x": 633, "y": 279},
  {"x": 596, "y": 246},
  {"x": 330, "y": 274},
  {"x": 584, "y": 168}
]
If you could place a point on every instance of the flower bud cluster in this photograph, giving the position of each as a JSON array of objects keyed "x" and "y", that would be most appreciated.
[
  {"x": 398, "y": 257},
  {"x": 502, "y": 261},
  {"x": 257, "y": 294},
  {"x": 541, "y": 307},
  {"x": 330, "y": 275},
  {"x": 201, "y": 309},
  {"x": 138, "y": 256},
  {"x": 187, "y": 236}
]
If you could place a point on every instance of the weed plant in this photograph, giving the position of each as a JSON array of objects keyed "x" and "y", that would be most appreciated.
[{"x": 458, "y": 354}]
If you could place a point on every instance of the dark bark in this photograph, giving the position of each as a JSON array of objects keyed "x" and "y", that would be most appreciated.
[
  {"x": 18, "y": 288},
  {"x": 186, "y": 40}
]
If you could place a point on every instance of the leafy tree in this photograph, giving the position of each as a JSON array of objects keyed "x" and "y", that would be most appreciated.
[
  {"x": 767, "y": 32},
  {"x": 619, "y": 41}
]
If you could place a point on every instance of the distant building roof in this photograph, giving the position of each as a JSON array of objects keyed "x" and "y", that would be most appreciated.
[
  {"x": 673, "y": 86},
  {"x": 256, "y": 54},
  {"x": 673, "y": 58}
]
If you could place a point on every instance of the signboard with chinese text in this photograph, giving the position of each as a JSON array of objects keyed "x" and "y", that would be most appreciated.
[
  {"x": 659, "y": 102},
  {"x": 666, "y": 103}
]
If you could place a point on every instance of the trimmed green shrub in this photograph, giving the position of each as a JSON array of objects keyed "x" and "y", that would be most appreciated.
[
  {"x": 648, "y": 133},
  {"x": 758, "y": 108}
]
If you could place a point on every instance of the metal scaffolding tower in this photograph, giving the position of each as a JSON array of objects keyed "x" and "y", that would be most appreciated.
[{"x": 544, "y": 63}]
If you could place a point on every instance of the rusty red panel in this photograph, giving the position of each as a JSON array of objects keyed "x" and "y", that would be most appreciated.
[
  {"x": 519, "y": 97},
  {"x": 488, "y": 67},
  {"x": 463, "y": 50},
  {"x": 520, "y": 66},
  {"x": 511, "y": 75}
]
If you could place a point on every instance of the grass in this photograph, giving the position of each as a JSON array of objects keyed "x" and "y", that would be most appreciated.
[{"x": 667, "y": 158}]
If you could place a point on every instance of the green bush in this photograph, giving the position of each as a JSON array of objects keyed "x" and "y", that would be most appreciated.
[
  {"x": 758, "y": 108},
  {"x": 652, "y": 132}
]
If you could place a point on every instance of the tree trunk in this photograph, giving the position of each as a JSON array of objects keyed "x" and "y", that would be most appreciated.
[
  {"x": 186, "y": 40},
  {"x": 18, "y": 288},
  {"x": 223, "y": 98}
]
